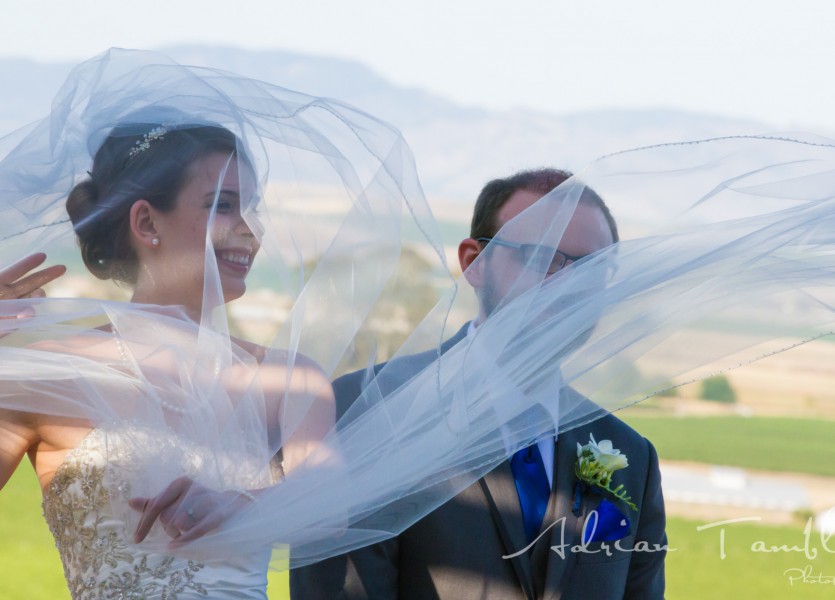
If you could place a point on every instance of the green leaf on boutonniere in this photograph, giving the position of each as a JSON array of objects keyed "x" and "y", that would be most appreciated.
[{"x": 595, "y": 464}]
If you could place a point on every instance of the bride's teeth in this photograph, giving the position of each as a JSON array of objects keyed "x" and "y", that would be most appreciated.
[{"x": 241, "y": 259}]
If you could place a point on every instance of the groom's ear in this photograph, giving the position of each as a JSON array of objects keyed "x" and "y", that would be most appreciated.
[{"x": 468, "y": 251}]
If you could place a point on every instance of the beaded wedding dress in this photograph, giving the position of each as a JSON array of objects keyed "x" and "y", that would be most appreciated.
[{"x": 100, "y": 561}]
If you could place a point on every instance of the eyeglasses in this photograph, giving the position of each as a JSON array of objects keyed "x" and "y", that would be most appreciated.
[{"x": 534, "y": 254}]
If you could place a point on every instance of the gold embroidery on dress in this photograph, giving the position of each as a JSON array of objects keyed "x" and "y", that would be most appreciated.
[{"x": 97, "y": 561}]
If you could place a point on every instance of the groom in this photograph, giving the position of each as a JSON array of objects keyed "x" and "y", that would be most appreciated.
[{"x": 458, "y": 551}]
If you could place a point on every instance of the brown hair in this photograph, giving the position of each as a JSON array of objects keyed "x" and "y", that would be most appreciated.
[{"x": 497, "y": 192}]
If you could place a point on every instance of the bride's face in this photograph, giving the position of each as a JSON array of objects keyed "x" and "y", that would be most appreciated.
[{"x": 182, "y": 256}]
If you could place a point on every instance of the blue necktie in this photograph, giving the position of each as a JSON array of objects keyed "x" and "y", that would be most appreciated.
[{"x": 532, "y": 486}]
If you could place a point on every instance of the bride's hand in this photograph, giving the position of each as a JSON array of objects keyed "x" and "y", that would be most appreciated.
[
  {"x": 15, "y": 284},
  {"x": 187, "y": 510}
]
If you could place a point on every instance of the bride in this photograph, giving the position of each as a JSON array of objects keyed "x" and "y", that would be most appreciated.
[
  {"x": 176, "y": 456},
  {"x": 155, "y": 198}
]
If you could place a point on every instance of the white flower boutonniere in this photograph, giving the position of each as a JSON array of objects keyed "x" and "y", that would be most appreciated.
[{"x": 595, "y": 464}]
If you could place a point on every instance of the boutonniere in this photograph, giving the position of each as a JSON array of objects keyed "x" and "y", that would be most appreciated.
[
  {"x": 596, "y": 461},
  {"x": 595, "y": 464}
]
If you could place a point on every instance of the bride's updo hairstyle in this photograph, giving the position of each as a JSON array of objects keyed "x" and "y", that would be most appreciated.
[{"x": 138, "y": 160}]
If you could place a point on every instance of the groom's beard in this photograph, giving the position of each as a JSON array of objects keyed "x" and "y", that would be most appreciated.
[
  {"x": 549, "y": 313},
  {"x": 489, "y": 300},
  {"x": 494, "y": 295}
]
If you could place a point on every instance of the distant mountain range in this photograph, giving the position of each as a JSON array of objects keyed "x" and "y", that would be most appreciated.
[{"x": 457, "y": 148}]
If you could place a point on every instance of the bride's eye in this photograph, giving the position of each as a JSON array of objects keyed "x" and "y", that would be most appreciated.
[{"x": 222, "y": 206}]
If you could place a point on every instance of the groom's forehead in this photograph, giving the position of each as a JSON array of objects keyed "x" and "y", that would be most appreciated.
[
  {"x": 531, "y": 210},
  {"x": 518, "y": 202}
]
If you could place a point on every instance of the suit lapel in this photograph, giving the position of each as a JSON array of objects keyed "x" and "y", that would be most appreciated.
[
  {"x": 500, "y": 490},
  {"x": 562, "y": 500}
]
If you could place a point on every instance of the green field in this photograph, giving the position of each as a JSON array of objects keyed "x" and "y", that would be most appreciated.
[
  {"x": 773, "y": 444},
  {"x": 31, "y": 568},
  {"x": 695, "y": 569}
]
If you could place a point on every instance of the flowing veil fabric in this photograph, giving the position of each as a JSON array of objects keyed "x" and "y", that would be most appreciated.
[{"x": 733, "y": 237}]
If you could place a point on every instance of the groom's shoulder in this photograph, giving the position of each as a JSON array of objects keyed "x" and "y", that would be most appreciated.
[
  {"x": 404, "y": 368},
  {"x": 392, "y": 374},
  {"x": 621, "y": 430},
  {"x": 610, "y": 427},
  {"x": 387, "y": 375}
]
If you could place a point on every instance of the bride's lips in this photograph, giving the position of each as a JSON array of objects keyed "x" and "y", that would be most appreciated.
[{"x": 237, "y": 260}]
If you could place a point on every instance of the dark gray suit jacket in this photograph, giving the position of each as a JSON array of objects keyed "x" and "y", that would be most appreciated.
[{"x": 455, "y": 552}]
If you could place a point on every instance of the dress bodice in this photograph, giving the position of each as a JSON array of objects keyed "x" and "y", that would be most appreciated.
[{"x": 99, "y": 559}]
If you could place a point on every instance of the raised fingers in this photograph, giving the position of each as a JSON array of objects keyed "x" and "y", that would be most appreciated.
[
  {"x": 21, "y": 267},
  {"x": 30, "y": 286},
  {"x": 15, "y": 283}
]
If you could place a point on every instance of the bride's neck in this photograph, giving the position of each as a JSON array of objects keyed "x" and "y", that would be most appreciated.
[{"x": 145, "y": 294}]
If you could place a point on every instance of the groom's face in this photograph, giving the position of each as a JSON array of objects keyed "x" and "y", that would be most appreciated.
[{"x": 505, "y": 274}]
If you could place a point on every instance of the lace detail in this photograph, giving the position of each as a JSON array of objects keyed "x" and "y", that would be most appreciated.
[{"x": 99, "y": 561}]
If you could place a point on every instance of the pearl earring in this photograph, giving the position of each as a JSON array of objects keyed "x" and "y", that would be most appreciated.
[{"x": 155, "y": 242}]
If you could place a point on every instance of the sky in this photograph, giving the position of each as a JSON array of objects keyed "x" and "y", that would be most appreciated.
[{"x": 769, "y": 60}]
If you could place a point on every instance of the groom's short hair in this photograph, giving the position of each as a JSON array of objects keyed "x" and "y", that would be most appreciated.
[{"x": 497, "y": 192}]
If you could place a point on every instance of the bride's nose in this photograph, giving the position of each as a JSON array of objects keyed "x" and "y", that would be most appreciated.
[
  {"x": 249, "y": 225},
  {"x": 240, "y": 226}
]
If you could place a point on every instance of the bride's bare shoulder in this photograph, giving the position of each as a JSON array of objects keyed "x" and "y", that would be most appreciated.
[{"x": 91, "y": 343}]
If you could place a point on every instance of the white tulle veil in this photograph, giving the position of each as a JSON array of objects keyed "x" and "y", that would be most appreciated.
[{"x": 732, "y": 235}]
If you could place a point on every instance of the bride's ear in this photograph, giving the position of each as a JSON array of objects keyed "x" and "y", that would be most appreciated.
[{"x": 143, "y": 227}]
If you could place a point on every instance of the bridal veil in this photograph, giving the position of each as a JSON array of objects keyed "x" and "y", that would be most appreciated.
[{"x": 733, "y": 237}]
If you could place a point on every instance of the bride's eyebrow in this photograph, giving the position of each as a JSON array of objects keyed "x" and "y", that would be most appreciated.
[{"x": 225, "y": 194}]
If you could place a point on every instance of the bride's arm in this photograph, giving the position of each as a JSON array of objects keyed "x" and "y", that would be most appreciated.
[
  {"x": 16, "y": 437},
  {"x": 310, "y": 418},
  {"x": 303, "y": 396},
  {"x": 16, "y": 434}
]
